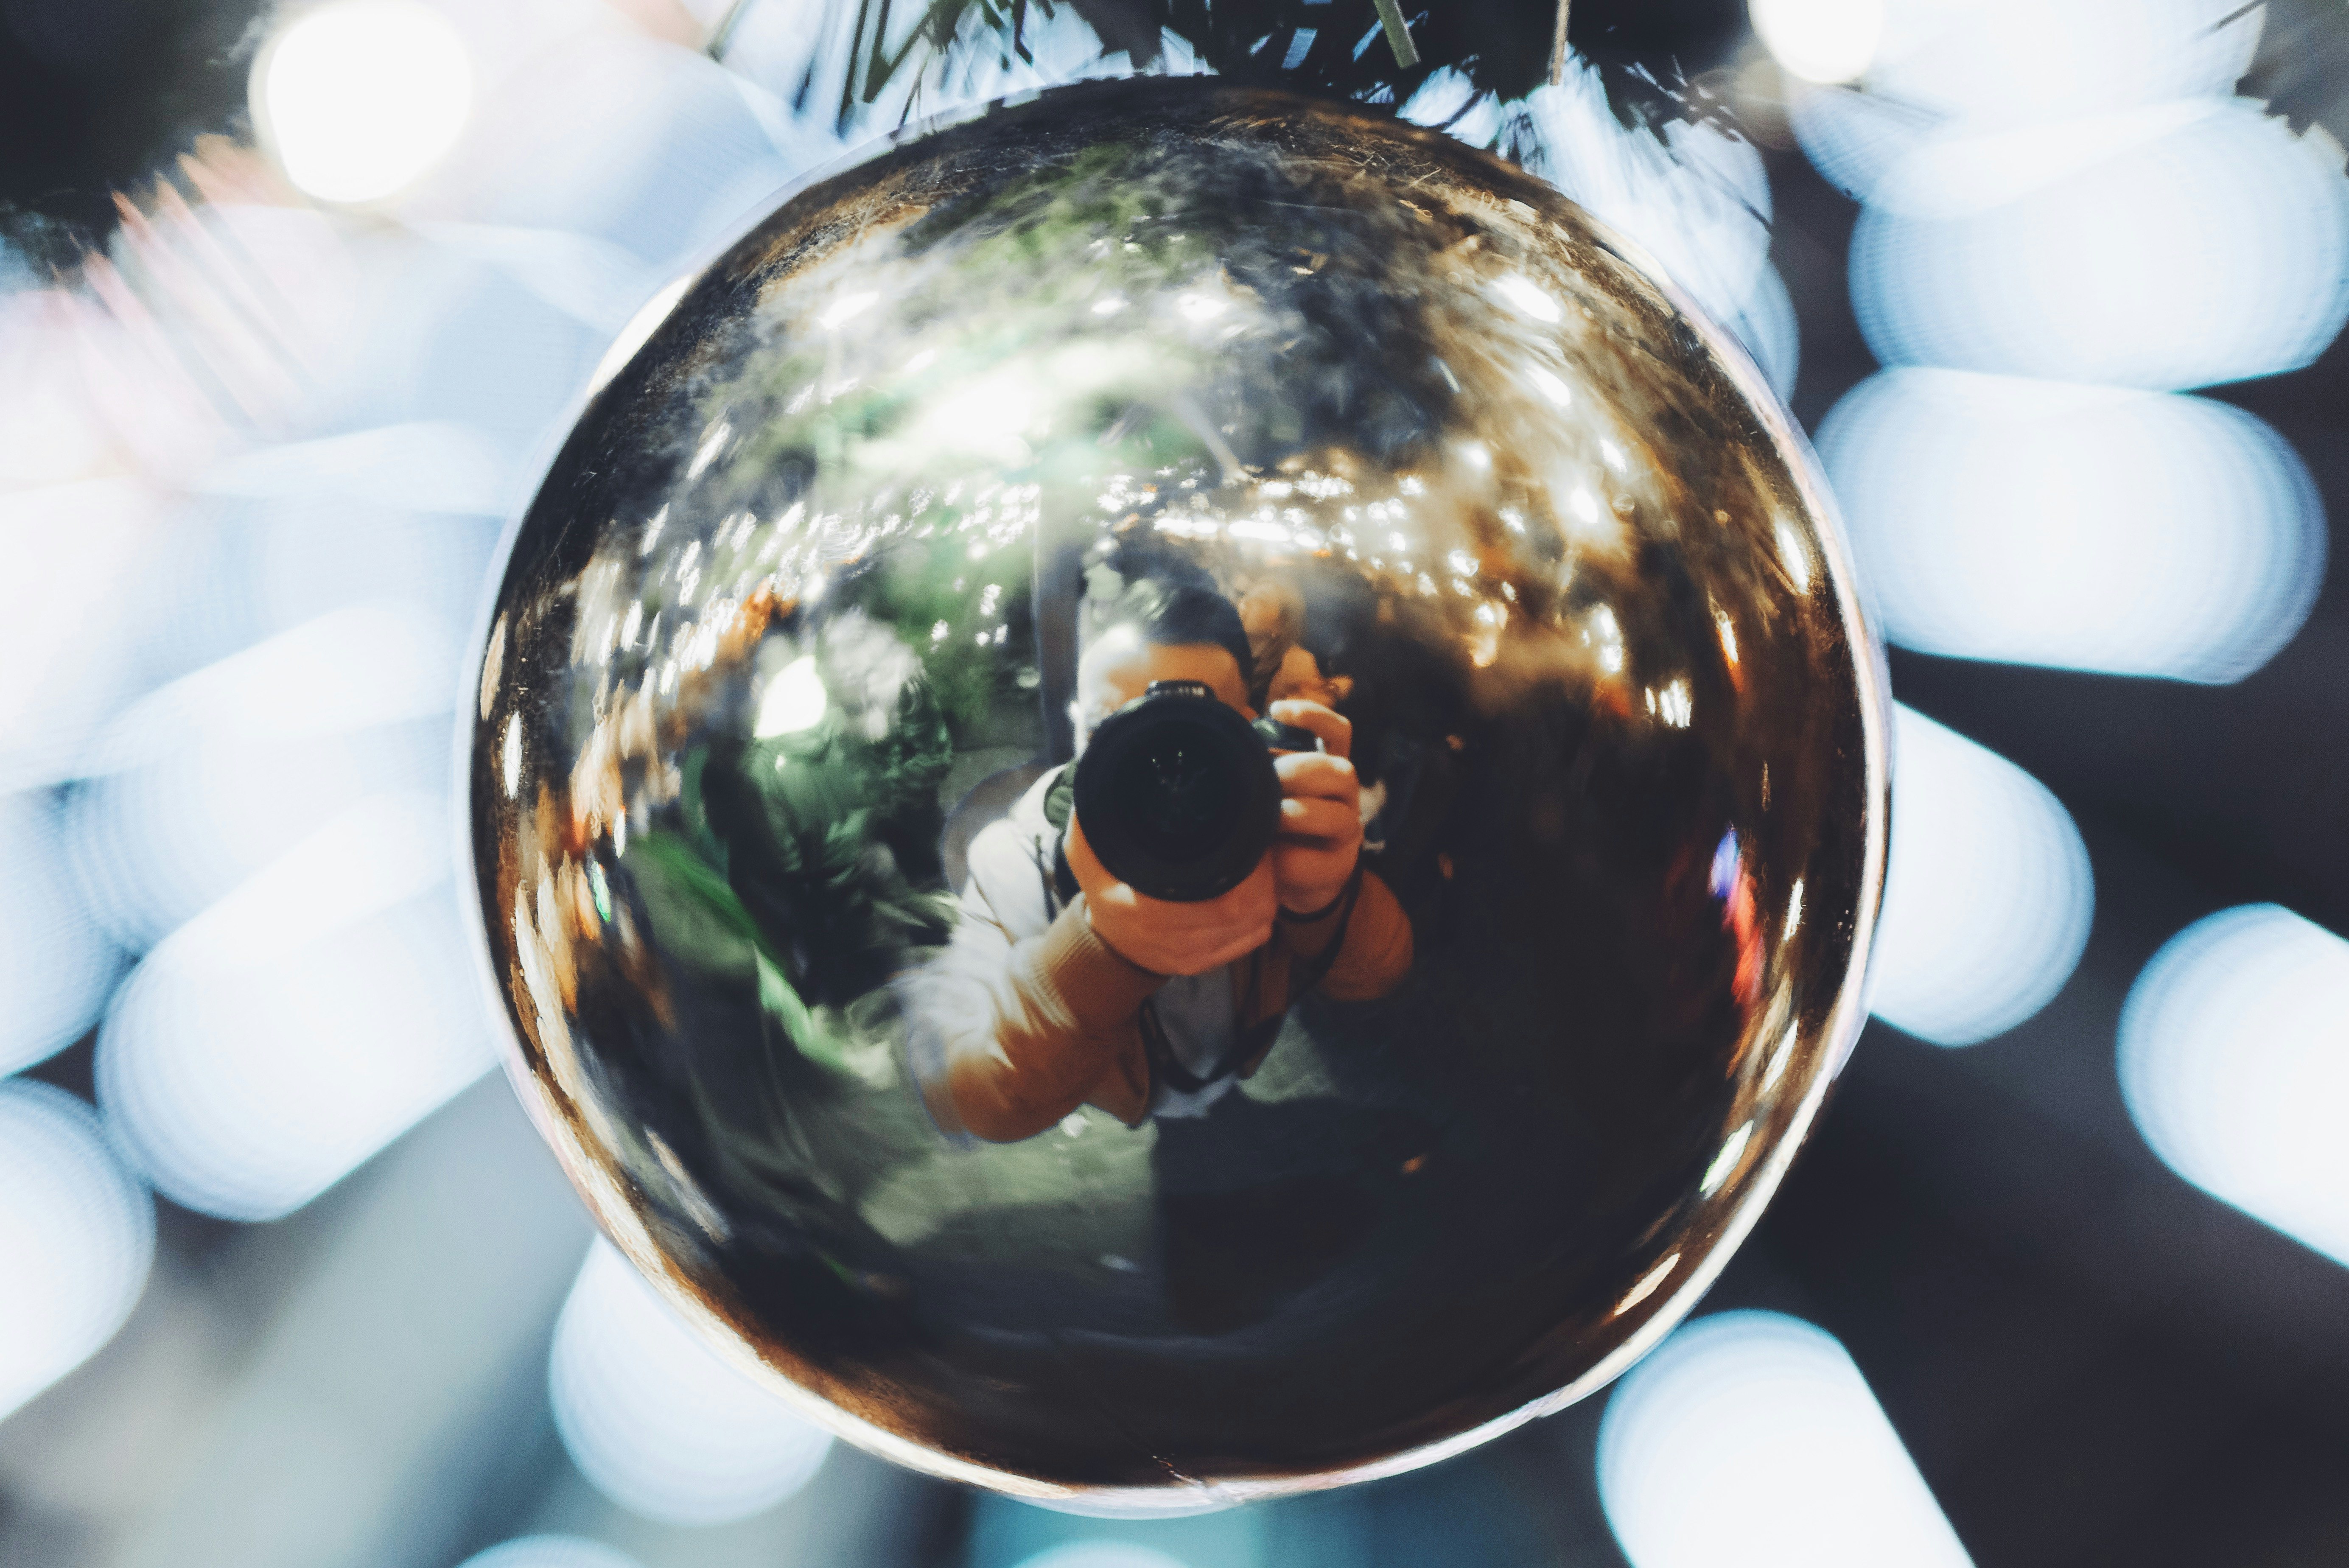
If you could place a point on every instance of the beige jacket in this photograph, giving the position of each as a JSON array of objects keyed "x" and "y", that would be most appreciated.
[{"x": 1027, "y": 1014}]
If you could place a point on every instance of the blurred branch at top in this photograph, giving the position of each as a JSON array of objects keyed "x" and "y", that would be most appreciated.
[{"x": 902, "y": 53}]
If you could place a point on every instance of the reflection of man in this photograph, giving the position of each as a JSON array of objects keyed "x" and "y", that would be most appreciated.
[{"x": 1064, "y": 986}]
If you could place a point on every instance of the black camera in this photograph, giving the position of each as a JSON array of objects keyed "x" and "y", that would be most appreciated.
[{"x": 1177, "y": 794}]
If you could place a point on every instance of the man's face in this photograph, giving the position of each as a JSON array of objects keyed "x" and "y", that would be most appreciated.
[{"x": 1119, "y": 666}]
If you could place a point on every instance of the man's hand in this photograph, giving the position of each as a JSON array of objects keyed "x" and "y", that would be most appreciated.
[
  {"x": 1173, "y": 938},
  {"x": 1321, "y": 812}
]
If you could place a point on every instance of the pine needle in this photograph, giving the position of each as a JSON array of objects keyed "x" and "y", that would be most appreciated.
[{"x": 1398, "y": 32}]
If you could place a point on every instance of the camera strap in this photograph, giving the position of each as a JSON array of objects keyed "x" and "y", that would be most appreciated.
[
  {"x": 1060, "y": 804},
  {"x": 1249, "y": 1040},
  {"x": 1065, "y": 880}
]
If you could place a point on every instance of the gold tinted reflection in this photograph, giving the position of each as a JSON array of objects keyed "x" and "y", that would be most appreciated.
[{"x": 818, "y": 992}]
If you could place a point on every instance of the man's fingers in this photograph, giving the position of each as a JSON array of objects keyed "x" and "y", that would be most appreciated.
[
  {"x": 1310, "y": 817},
  {"x": 1312, "y": 863},
  {"x": 1334, "y": 729},
  {"x": 1196, "y": 950},
  {"x": 1317, "y": 773},
  {"x": 1312, "y": 877}
]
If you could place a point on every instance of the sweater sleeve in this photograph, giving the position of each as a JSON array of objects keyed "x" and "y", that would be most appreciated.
[
  {"x": 1008, "y": 1036},
  {"x": 1374, "y": 953}
]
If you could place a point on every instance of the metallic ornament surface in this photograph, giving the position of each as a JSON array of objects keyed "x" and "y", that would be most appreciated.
[{"x": 1165, "y": 388}]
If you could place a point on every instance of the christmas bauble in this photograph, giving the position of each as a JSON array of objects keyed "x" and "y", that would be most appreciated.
[{"x": 1392, "y": 1037}]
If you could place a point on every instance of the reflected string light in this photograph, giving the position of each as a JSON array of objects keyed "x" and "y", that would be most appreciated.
[
  {"x": 1751, "y": 1438},
  {"x": 794, "y": 701},
  {"x": 2084, "y": 528},
  {"x": 78, "y": 1234},
  {"x": 357, "y": 98},
  {"x": 1987, "y": 893},
  {"x": 2234, "y": 1065},
  {"x": 57, "y": 964},
  {"x": 1820, "y": 40},
  {"x": 655, "y": 1420},
  {"x": 550, "y": 1551},
  {"x": 301, "y": 1023},
  {"x": 1527, "y": 297}
]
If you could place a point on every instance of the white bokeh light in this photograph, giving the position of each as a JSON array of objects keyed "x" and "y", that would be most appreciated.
[
  {"x": 1820, "y": 40},
  {"x": 1751, "y": 1438},
  {"x": 655, "y": 1420},
  {"x": 1987, "y": 894},
  {"x": 1854, "y": 139},
  {"x": 77, "y": 1233},
  {"x": 357, "y": 98},
  {"x": 2081, "y": 527},
  {"x": 2234, "y": 1062},
  {"x": 301, "y": 1023},
  {"x": 2065, "y": 214},
  {"x": 2021, "y": 62},
  {"x": 1102, "y": 1554},
  {"x": 57, "y": 964},
  {"x": 428, "y": 466},
  {"x": 550, "y": 1551},
  {"x": 72, "y": 646},
  {"x": 204, "y": 781},
  {"x": 2175, "y": 246},
  {"x": 698, "y": 148}
]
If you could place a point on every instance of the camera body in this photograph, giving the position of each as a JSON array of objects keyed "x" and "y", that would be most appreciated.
[{"x": 1177, "y": 792}]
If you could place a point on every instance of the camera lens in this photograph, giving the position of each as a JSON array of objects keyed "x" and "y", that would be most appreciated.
[
  {"x": 1174, "y": 790},
  {"x": 1177, "y": 794}
]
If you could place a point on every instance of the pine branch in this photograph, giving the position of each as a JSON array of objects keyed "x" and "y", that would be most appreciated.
[{"x": 1371, "y": 51}]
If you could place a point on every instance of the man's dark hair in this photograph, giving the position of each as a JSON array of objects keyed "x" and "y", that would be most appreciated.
[{"x": 1172, "y": 615}]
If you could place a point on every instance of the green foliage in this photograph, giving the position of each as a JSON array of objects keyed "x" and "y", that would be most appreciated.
[{"x": 704, "y": 926}]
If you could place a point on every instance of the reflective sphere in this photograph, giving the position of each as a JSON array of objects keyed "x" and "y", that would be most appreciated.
[{"x": 1455, "y": 1101}]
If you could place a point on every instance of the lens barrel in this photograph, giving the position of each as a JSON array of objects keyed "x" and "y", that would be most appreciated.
[{"x": 1177, "y": 794}]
